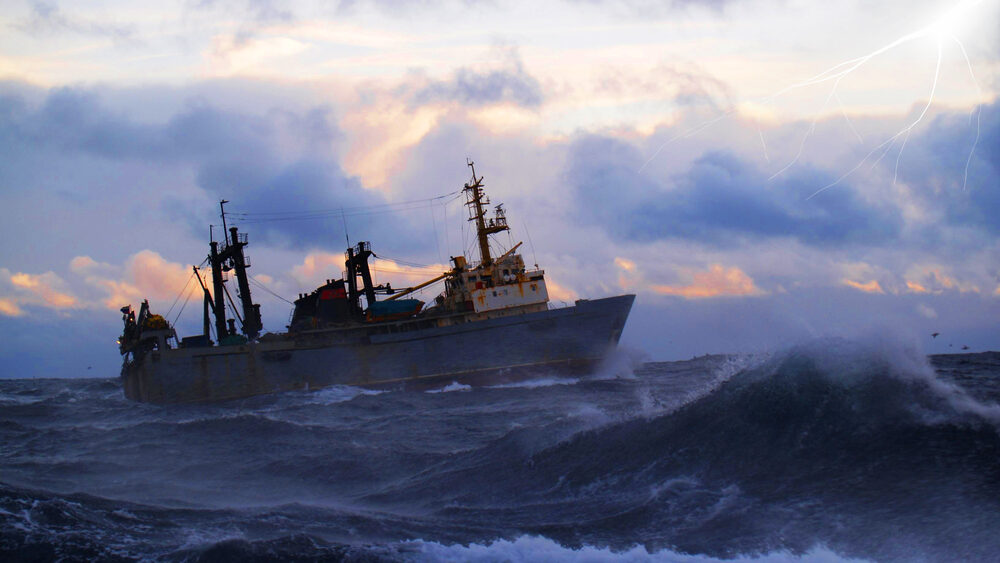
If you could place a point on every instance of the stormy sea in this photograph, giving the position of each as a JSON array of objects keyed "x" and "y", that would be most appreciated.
[{"x": 826, "y": 451}]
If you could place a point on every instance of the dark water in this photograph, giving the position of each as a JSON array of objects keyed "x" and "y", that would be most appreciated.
[{"x": 830, "y": 451}]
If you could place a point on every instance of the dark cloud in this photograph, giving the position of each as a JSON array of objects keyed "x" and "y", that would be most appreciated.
[
  {"x": 934, "y": 165},
  {"x": 282, "y": 161},
  {"x": 719, "y": 200},
  {"x": 474, "y": 87}
]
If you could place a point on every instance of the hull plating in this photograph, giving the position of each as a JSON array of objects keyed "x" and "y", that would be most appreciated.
[{"x": 569, "y": 339}]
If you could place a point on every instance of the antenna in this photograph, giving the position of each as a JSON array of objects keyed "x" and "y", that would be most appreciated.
[
  {"x": 222, "y": 208},
  {"x": 344, "y": 219},
  {"x": 533, "y": 257},
  {"x": 476, "y": 200}
]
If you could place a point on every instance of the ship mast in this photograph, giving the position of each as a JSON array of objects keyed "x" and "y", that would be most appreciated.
[
  {"x": 231, "y": 257},
  {"x": 476, "y": 199}
]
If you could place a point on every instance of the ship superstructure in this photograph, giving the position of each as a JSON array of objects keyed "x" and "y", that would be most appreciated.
[{"x": 492, "y": 320}]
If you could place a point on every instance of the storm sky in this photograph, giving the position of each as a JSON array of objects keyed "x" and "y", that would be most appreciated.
[{"x": 757, "y": 172}]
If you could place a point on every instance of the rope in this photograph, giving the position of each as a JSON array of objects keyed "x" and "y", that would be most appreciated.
[
  {"x": 356, "y": 211},
  {"x": 236, "y": 312},
  {"x": 265, "y": 288},
  {"x": 188, "y": 298},
  {"x": 408, "y": 263},
  {"x": 179, "y": 295}
]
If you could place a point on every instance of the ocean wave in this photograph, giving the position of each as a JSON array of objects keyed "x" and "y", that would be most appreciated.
[
  {"x": 332, "y": 395},
  {"x": 536, "y": 383},
  {"x": 450, "y": 388},
  {"x": 536, "y": 548},
  {"x": 826, "y": 450}
]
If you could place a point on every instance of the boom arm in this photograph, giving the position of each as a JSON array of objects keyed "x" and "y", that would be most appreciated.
[{"x": 410, "y": 290}]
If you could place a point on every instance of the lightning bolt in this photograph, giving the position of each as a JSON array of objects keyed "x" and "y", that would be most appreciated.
[{"x": 941, "y": 28}]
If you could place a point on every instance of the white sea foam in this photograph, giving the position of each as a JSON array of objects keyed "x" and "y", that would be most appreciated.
[
  {"x": 338, "y": 394},
  {"x": 620, "y": 363},
  {"x": 453, "y": 386},
  {"x": 534, "y": 383},
  {"x": 537, "y": 548},
  {"x": 652, "y": 406},
  {"x": 849, "y": 361}
]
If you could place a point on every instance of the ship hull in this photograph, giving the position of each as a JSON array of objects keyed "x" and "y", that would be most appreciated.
[{"x": 401, "y": 355}]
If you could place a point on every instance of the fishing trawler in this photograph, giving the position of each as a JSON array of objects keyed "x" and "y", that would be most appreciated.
[{"x": 491, "y": 323}]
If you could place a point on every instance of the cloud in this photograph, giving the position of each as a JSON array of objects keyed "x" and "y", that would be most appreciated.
[
  {"x": 721, "y": 199},
  {"x": 281, "y": 161},
  {"x": 558, "y": 292},
  {"x": 144, "y": 275},
  {"x": 510, "y": 83},
  {"x": 686, "y": 84},
  {"x": 48, "y": 18},
  {"x": 19, "y": 289},
  {"x": 868, "y": 287},
  {"x": 317, "y": 267},
  {"x": 647, "y": 9},
  {"x": 10, "y": 308},
  {"x": 934, "y": 166},
  {"x": 252, "y": 17},
  {"x": 925, "y": 311},
  {"x": 933, "y": 279},
  {"x": 717, "y": 281}
]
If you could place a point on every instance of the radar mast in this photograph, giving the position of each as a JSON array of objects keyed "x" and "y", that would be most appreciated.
[{"x": 476, "y": 199}]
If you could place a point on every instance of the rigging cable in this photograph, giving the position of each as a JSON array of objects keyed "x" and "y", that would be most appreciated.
[
  {"x": 265, "y": 288},
  {"x": 180, "y": 294},
  {"x": 343, "y": 212},
  {"x": 236, "y": 312},
  {"x": 188, "y": 298}
]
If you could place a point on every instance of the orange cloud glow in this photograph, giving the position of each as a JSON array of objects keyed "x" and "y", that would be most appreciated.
[
  {"x": 626, "y": 278},
  {"x": 316, "y": 267},
  {"x": 44, "y": 287},
  {"x": 716, "y": 282},
  {"x": 9, "y": 308},
  {"x": 933, "y": 279},
  {"x": 145, "y": 275},
  {"x": 869, "y": 287},
  {"x": 320, "y": 266},
  {"x": 559, "y": 293}
]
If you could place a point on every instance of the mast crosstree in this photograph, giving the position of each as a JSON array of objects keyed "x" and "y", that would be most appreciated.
[{"x": 476, "y": 199}]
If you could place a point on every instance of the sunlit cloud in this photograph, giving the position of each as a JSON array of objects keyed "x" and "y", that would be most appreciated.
[
  {"x": 9, "y": 308},
  {"x": 144, "y": 275},
  {"x": 868, "y": 287},
  {"x": 46, "y": 289},
  {"x": 717, "y": 281},
  {"x": 934, "y": 279},
  {"x": 558, "y": 292},
  {"x": 230, "y": 54},
  {"x": 627, "y": 276},
  {"x": 379, "y": 135},
  {"x": 317, "y": 267}
]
